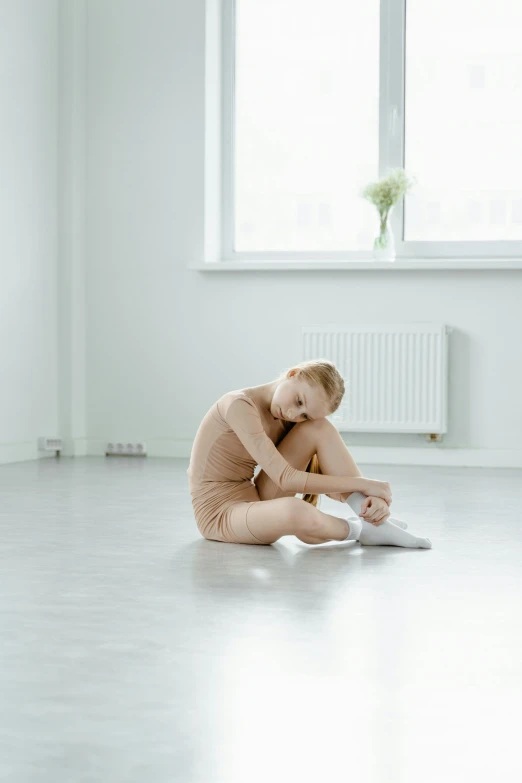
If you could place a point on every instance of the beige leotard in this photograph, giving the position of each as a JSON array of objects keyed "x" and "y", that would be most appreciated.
[{"x": 234, "y": 436}]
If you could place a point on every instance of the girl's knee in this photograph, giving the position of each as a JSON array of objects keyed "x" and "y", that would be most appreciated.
[
  {"x": 293, "y": 508},
  {"x": 304, "y": 517}
]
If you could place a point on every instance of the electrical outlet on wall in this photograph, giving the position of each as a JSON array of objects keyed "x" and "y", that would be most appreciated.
[
  {"x": 50, "y": 444},
  {"x": 126, "y": 449}
]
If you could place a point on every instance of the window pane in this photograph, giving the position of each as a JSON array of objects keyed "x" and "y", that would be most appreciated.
[
  {"x": 306, "y": 124},
  {"x": 464, "y": 120}
]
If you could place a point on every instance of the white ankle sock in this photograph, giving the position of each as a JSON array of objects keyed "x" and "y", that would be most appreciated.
[
  {"x": 385, "y": 534},
  {"x": 355, "y": 529},
  {"x": 355, "y": 501},
  {"x": 389, "y": 534}
]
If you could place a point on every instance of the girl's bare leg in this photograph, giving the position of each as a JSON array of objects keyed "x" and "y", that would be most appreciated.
[
  {"x": 291, "y": 516},
  {"x": 275, "y": 518}
]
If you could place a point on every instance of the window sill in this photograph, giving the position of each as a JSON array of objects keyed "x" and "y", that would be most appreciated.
[{"x": 367, "y": 265}]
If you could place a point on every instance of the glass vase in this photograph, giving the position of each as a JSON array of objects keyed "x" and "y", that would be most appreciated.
[{"x": 384, "y": 244}]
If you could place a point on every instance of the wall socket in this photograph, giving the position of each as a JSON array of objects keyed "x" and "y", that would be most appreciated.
[
  {"x": 50, "y": 444},
  {"x": 126, "y": 449}
]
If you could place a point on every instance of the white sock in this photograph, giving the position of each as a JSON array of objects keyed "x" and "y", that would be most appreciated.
[
  {"x": 355, "y": 529},
  {"x": 385, "y": 534},
  {"x": 355, "y": 501},
  {"x": 389, "y": 534}
]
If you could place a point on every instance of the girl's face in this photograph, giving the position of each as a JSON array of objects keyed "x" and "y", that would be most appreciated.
[{"x": 295, "y": 400}]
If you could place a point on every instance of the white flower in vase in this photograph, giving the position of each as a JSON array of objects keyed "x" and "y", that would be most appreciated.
[{"x": 384, "y": 194}]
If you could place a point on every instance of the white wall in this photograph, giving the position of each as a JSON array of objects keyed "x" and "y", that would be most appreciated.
[
  {"x": 163, "y": 342},
  {"x": 28, "y": 225}
]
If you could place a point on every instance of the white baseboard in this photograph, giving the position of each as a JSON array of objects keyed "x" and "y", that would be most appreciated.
[
  {"x": 27, "y": 451},
  {"x": 434, "y": 455},
  {"x": 462, "y": 458}
]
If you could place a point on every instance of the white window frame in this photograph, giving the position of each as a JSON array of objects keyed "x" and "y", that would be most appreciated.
[{"x": 391, "y": 155}]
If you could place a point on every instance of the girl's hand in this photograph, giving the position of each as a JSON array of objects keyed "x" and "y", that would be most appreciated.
[
  {"x": 374, "y": 510},
  {"x": 376, "y": 489}
]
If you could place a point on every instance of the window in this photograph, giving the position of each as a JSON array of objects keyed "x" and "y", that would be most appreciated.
[
  {"x": 464, "y": 120},
  {"x": 306, "y": 125},
  {"x": 321, "y": 98}
]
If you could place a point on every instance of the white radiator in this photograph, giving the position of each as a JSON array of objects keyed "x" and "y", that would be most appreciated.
[{"x": 396, "y": 375}]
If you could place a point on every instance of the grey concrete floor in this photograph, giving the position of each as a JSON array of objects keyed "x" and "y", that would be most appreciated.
[{"x": 133, "y": 650}]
